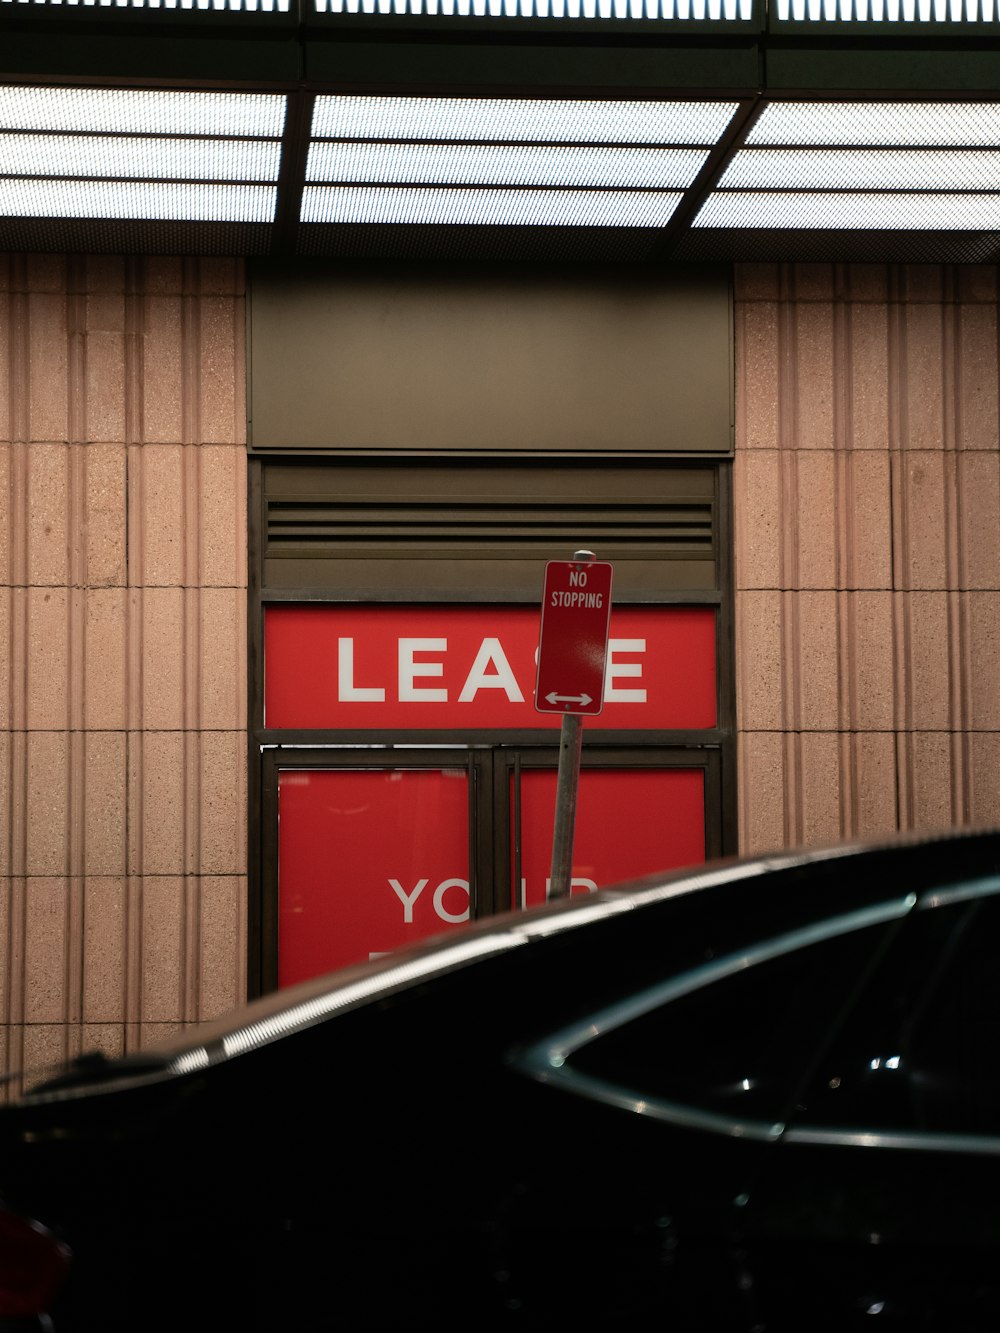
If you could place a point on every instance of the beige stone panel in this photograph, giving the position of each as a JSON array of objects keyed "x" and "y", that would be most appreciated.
[
  {"x": 104, "y": 700},
  {"x": 923, "y": 480},
  {"x": 141, "y": 1035},
  {"x": 925, "y": 779},
  {"x": 163, "y": 654},
  {"x": 978, "y": 282},
  {"x": 756, "y": 282},
  {"x": 104, "y": 949},
  {"x": 10, "y": 1060},
  {"x": 922, "y": 372},
  {"x": 223, "y": 686},
  {"x": 104, "y": 374},
  {"x": 868, "y": 369},
  {"x": 869, "y": 662},
  {"x": 812, "y": 702},
  {"x": 867, "y": 282},
  {"x": 984, "y": 793},
  {"x": 187, "y": 794},
  {"x": 815, "y": 519},
  {"x": 104, "y": 561},
  {"x": 820, "y": 788},
  {"x": 163, "y": 275},
  {"x": 757, "y": 377},
  {"x": 47, "y": 803},
  {"x": 163, "y": 908},
  {"x": 922, "y": 664},
  {"x": 222, "y": 407},
  {"x": 979, "y": 356},
  {"x": 759, "y": 621},
  {"x": 11, "y": 946},
  {"x": 979, "y": 519},
  {"x": 45, "y": 273},
  {"x": 48, "y": 403},
  {"x": 48, "y": 659},
  {"x": 108, "y": 1038},
  {"x": 6, "y": 505},
  {"x": 223, "y": 849},
  {"x": 11, "y": 856},
  {"x": 221, "y": 276},
  {"x": 223, "y": 981},
  {"x": 48, "y": 514},
  {"x": 223, "y": 536},
  {"x": 157, "y": 518},
  {"x": 922, "y": 282},
  {"x": 761, "y": 768},
  {"x": 6, "y": 675},
  {"x": 156, "y": 791},
  {"x": 162, "y": 386},
  {"x": 105, "y": 802},
  {"x": 981, "y": 611},
  {"x": 7, "y": 306},
  {"x": 872, "y": 756},
  {"x": 812, "y": 282},
  {"x": 46, "y": 998},
  {"x": 45, "y": 1046},
  {"x": 757, "y": 518},
  {"x": 813, "y": 352},
  {"x": 866, "y": 520}
]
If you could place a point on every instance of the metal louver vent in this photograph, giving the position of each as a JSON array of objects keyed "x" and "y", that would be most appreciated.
[
  {"x": 465, "y": 531},
  {"x": 357, "y": 529}
]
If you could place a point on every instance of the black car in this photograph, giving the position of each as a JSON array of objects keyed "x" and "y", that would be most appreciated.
[{"x": 761, "y": 1096}]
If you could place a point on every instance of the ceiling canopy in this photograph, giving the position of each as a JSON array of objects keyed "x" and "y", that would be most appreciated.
[{"x": 518, "y": 129}]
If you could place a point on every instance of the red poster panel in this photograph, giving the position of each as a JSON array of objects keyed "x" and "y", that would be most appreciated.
[
  {"x": 368, "y": 859},
  {"x": 629, "y": 822},
  {"x": 345, "y": 667}
]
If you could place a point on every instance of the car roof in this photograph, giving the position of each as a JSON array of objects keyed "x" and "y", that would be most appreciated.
[{"x": 913, "y": 864}]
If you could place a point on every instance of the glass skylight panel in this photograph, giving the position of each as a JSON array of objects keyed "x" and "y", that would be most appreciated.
[
  {"x": 140, "y": 159},
  {"x": 888, "y": 11},
  {"x": 699, "y": 10},
  {"x": 469, "y": 164},
  {"x": 214, "y": 6},
  {"x": 488, "y": 207},
  {"x": 494, "y": 120},
  {"x": 885, "y": 169},
  {"x": 879, "y": 124},
  {"x": 134, "y": 111},
  {"x": 166, "y": 201},
  {"x": 852, "y": 212}
]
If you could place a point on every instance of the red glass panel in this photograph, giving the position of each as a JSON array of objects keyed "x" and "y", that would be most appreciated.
[
  {"x": 629, "y": 822},
  {"x": 368, "y": 860}
]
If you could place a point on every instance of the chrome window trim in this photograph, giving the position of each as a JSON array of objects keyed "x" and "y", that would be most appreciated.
[{"x": 546, "y": 1061}]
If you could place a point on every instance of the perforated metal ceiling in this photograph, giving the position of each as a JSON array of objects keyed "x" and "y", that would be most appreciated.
[{"x": 639, "y": 160}]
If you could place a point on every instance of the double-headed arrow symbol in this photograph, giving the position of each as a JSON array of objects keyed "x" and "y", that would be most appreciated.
[{"x": 582, "y": 699}]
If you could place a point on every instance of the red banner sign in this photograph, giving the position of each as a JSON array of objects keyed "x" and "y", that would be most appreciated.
[{"x": 347, "y": 667}]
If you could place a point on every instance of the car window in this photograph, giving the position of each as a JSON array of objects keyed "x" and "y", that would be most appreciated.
[
  {"x": 740, "y": 1044},
  {"x": 918, "y": 1054}
]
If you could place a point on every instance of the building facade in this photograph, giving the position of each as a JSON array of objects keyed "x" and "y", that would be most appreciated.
[{"x": 866, "y": 592}]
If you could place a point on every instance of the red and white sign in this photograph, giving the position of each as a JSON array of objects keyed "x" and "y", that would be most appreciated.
[
  {"x": 371, "y": 859},
  {"x": 339, "y": 666},
  {"x": 573, "y": 642},
  {"x": 630, "y": 822},
  {"x": 368, "y": 859}
]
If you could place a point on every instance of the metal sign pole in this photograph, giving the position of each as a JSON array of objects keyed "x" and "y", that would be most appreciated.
[{"x": 567, "y": 785}]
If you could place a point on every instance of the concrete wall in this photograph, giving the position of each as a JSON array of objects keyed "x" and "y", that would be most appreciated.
[
  {"x": 122, "y": 650},
  {"x": 867, "y": 550}
]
